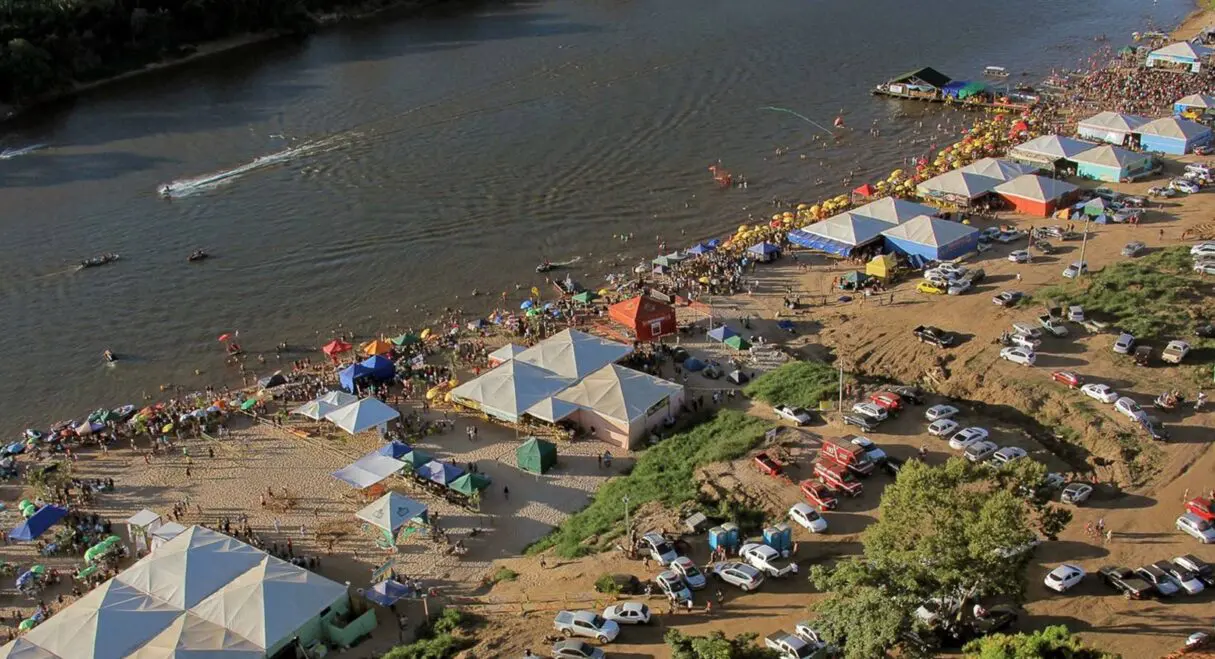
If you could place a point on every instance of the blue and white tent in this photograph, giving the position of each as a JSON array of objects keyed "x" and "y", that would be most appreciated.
[{"x": 932, "y": 238}]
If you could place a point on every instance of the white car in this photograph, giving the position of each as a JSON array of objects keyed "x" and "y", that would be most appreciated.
[
  {"x": 1010, "y": 236},
  {"x": 1182, "y": 185},
  {"x": 961, "y": 286},
  {"x": 1064, "y": 577},
  {"x": 1199, "y": 528},
  {"x": 1025, "y": 329},
  {"x": 738, "y": 574},
  {"x": 1019, "y": 256},
  {"x": 1076, "y": 493},
  {"x": 686, "y": 568},
  {"x": 989, "y": 233},
  {"x": 1187, "y": 579},
  {"x": 1101, "y": 392},
  {"x": 797, "y": 415},
  {"x": 980, "y": 450},
  {"x": 1008, "y": 454},
  {"x": 953, "y": 269},
  {"x": 767, "y": 560},
  {"x": 1023, "y": 356},
  {"x": 628, "y": 613},
  {"x": 967, "y": 436},
  {"x": 1203, "y": 249},
  {"x": 941, "y": 412},
  {"x": 1023, "y": 341},
  {"x": 1075, "y": 270},
  {"x": 1124, "y": 343},
  {"x": 870, "y": 410},
  {"x": 660, "y": 550},
  {"x": 942, "y": 427},
  {"x": 875, "y": 453},
  {"x": 804, "y": 514},
  {"x": 673, "y": 586},
  {"x": 1202, "y": 268},
  {"x": 1130, "y": 409}
]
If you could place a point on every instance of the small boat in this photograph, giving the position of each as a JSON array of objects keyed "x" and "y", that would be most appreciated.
[
  {"x": 96, "y": 261},
  {"x": 995, "y": 72},
  {"x": 197, "y": 255},
  {"x": 545, "y": 267}
]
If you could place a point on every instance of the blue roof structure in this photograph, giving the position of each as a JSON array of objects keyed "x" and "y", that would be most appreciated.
[
  {"x": 440, "y": 472},
  {"x": 38, "y": 523},
  {"x": 349, "y": 375},
  {"x": 381, "y": 367}
]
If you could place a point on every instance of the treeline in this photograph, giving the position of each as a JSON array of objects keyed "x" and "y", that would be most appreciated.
[{"x": 48, "y": 45}]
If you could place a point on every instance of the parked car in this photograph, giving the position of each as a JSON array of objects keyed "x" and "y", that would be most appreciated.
[
  {"x": 1205, "y": 267},
  {"x": 1159, "y": 579},
  {"x": 1019, "y": 256},
  {"x": 819, "y": 495},
  {"x": 887, "y": 401},
  {"x": 741, "y": 575},
  {"x": 892, "y": 466},
  {"x": 989, "y": 233},
  {"x": 1025, "y": 329},
  {"x": 1161, "y": 191},
  {"x": 874, "y": 452},
  {"x": 686, "y": 568},
  {"x": 1010, "y": 236},
  {"x": 940, "y": 412},
  {"x": 838, "y": 477},
  {"x": 586, "y": 623},
  {"x": 1124, "y": 343},
  {"x": 870, "y": 410},
  {"x": 625, "y": 584},
  {"x": 789, "y": 646},
  {"x": 934, "y": 335},
  {"x": 1023, "y": 356},
  {"x": 1008, "y": 454},
  {"x": 1183, "y": 185},
  {"x": 942, "y": 427},
  {"x": 809, "y": 634},
  {"x": 1130, "y": 409},
  {"x": 1100, "y": 392},
  {"x": 1133, "y": 248},
  {"x": 1201, "y": 507},
  {"x": 1053, "y": 325},
  {"x": 953, "y": 269},
  {"x": 673, "y": 586},
  {"x": 1075, "y": 314},
  {"x": 1187, "y": 579},
  {"x": 1198, "y": 566},
  {"x": 967, "y": 436},
  {"x": 860, "y": 421},
  {"x": 797, "y": 415},
  {"x": 1205, "y": 248},
  {"x": 1175, "y": 352},
  {"x": 1024, "y": 341},
  {"x": 1124, "y": 581},
  {"x": 660, "y": 550},
  {"x": 932, "y": 288},
  {"x": 808, "y": 518},
  {"x": 1076, "y": 493},
  {"x": 1008, "y": 298},
  {"x": 980, "y": 451},
  {"x": 910, "y": 395},
  {"x": 960, "y": 287},
  {"x": 1068, "y": 378},
  {"x": 628, "y": 613},
  {"x": 574, "y": 649},
  {"x": 1064, "y": 577},
  {"x": 1075, "y": 269},
  {"x": 1197, "y": 527}
]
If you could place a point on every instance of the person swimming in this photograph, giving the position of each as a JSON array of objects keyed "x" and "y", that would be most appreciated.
[{"x": 109, "y": 356}]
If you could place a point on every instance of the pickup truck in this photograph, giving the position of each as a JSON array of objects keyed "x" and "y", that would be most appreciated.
[
  {"x": 934, "y": 335},
  {"x": 1124, "y": 581},
  {"x": 1053, "y": 325},
  {"x": 586, "y": 623},
  {"x": 789, "y": 646},
  {"x": 768, "y": 465},
  {"x": 1174, "y": 352},
  {"x": 767, "y": 560},
  {"x": 848, "y": 454}
]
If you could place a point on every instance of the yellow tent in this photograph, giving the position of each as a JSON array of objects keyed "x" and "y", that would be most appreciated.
[
  {"x": 882, "y": 266},
  {"x": 377, "y": 347}
]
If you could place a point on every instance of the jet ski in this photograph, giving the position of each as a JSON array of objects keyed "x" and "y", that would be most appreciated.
[
  {"x": 197, "y": 255},
  {"x": 96, "y": 261},
  {"x": 545, "y": 267}
]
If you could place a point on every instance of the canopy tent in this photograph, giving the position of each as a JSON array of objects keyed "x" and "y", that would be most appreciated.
[
  {"x": 700, "y": 248},
  {"x": 573, "y": 354},
  {"x": 1036, "y": 195},
  {"x": 405, "y": 339},
  {"x": 191, "y": 637},
  {"x": 1173, "y": 136},
  {"x": 667, "y": 260},
  {"x": 368, "y": 470},
  {"x": 648, "y": 318},
  {"x": 507, "y": 391},
  {"x": 166, "y": 532},
  {"x": 392, "y": 511},
  {"x": 536, "y": 455},
  {"x": 188, "y": 570},
  {"x": 366, "y": 414},
  {"x": 394, "y": 449},
  {"x": 849, "y": 229},
  {"x": 338, "y": 399},
  {"x": 1199, "y": 103},
  {"x": 439, "y": 472},
  {"x": 140, "y": 527},
  {"x": 381, "y": 368},
  {"x": 963, "y": 89},
  {"x": 1005, "y": 170},
  {"x": 620, "y": 393},
  {"x": 314, "y": 409},
  {"x": 853, "y": 280},
  {"x": 470, "y": 483},
  {"x": 349, "y": 376},
  {"x": 933, "y": 238},
  {"x": 505, "y": 354},
  {"x": 38, "y": 523},
  {"x": 1181, "y": 55},
  {"x": 335, "y": 348},
  {"x": 415, "y": 459},
  {"x": 764, "y": 251},
  {"x": 1096, "y": 206},
  {"x": 273, "y": 380},
  {"x": 1113, "y": 164},
  {"x": 864, "y": 191},
  {"x": 819, "y": 243},
  {"x": 551, "y": 410},
  {"x": 1048, "y": 150},
  {"x": 957, "y": 186},
  {"x": 377, "y": 347},
  {"x": 385, "y": 593},
  {"x": 882, "y": 266},
  {"x": 738, "y": 343},
  {"x": 1112, "y": 127},
  {"x": 721, "y": 333},
  {"x": 893, "y": 210},
  {"x": 109, "y": 622}
]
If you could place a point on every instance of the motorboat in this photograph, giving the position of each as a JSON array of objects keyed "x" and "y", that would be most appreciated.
[
  {"x": 545, "y": 267},
  {"x": 198, "y": 255},
  {"x": 995, "y": 72},
  {"x": 96, "y": 261}
]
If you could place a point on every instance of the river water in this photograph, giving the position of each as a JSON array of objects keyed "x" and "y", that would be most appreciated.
[{"x": 453, "y": 151}]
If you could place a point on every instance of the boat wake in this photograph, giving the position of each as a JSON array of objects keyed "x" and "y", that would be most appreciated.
[
  {"x": 9, "y": 154},
  {"x": 189, "y": 186},
  {"x": 566, "y": 264}
]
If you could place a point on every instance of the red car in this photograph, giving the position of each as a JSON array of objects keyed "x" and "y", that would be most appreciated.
[
  {"x": 891, "y": 402},
  {"x": 1204, "y": 508},
  {"x": 1067, "y": 377},
  {"x": 819, "y": 495}
]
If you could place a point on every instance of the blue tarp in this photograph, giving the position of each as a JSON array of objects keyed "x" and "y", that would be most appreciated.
[
  {"x": 693, "y": 364},
  {"x": 350, "y": 374},
  {"x": 721, "y": 333},
  {"x": 381, "y": 368},
  {"x": 819, "y": 243},
  {"x": 394, "y": 449},
  {"x": 440, "y": 472},
  {"x": 38, "y": 523},
  {"x": 387, "y": 593},
  {"x": 764, "y": 249}
]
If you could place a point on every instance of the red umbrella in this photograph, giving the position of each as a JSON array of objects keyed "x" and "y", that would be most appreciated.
[
  {"x": 225, "y": 336},
  {"x": 336, "y": 346}
]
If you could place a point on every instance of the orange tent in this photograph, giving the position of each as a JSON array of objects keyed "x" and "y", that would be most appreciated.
[
  {"x": 377, "y": 347},
  {"x": 648, "y": 318}
]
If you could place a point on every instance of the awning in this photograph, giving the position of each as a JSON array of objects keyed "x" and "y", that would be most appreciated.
[
  {"x": 387, "y": 593},
  {"x": 818, "y": 243},
  {"x": 368, "y": 470}
]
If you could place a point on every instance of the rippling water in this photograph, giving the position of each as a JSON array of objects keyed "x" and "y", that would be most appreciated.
[{"x": 461, "y": 149}]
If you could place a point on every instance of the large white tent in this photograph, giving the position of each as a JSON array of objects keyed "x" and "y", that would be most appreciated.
[
  {"x": 184, "y": 572},
  {"x": 109, "y": 622},
  {"x": 1005, "y": 170},
  {"x": 1049, "y": 149},
  {"x": 551, "y": 410},
  {"x": 932, "y": 238},
  {"x": 505, "y": 353},
  {"x": 315, "y": 409},
  {"x": 620, "y": 393},
  {"x": 1036, "y": 188},
  {"x": 508, "y": 390},
  {"x": 23, "y": 649},
  {"x": 338, "y": 399},
  {"x": 893, "y": 210},
  {"x": 573, "y": 354},
  {"x": 1112, "y": 127},
  {"x": 192, "y": 637},
  {"x": 369, "y": 470},
  {"x": 848, "y": 228},
  {"x": 958, "y": 186},
  {"x": 392, "y": 511},
  {"x": 366, "y": 414},
  {"x": 270, "y": 602}
]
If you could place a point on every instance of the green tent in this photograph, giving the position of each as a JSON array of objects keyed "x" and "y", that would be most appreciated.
[
  {"x": 1096, "y": 206},
  {"x": 585, "y": 297},
  {"x": 469, "y": 483},
  {"x": 405, "y": 339},
  {"x": 415, "y": 459},
  {"x": 738, "y": 343},
  {"x": 536, "y": 455}
]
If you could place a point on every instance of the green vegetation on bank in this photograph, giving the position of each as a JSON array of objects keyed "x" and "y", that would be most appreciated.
[
  {"x": 1147, "y": 297},
  {"x": 1054, "y": 641},
  {"x": 47, "y": 47},
  {"x": 442, "y": 638},
  {"x": 663, "y": 473},
  {"x": 802, "y": 384},
  {"x": 715, "y": 646}
]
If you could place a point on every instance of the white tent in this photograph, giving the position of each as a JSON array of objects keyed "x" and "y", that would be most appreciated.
[
  {"x": 364, "y": 415},
  {"x": 620, "y": 393},
  {"x": 1049, "y": 148},
  {"x": 848, "y": 228},
  {"x": 369, "y": 470},
  {"x": 958, "y": 184},
  {"x": 109, "y": 622},
  {"x": 196, "y": 565},
  {"x": 505, "y": 353},
  {"x": 1196, "y": 101},
  {"x": 551, "y": 410},
  {"x": 1184, "y": 50},
  {"x": 508, "y": 391},
  {"x": 1112, "y": 127},
  {"x": 315, "y": 409},
  {"x": 165, "y": 533},
  {"x": 1005, "y": 170},
  {"x": 1173, "y": 127},
  {"x": 392, "y": 511},
  {"x": 270, "y": 602},
  {"x": 191, "y": 637},
  {"x": 23, "y": 649},
  {"x": 893, "y": 210},
  {"x": 140, "y": 527},
  {"x": 338, "y": 399},
  {"x": 573, "y": 354},
  {"x": 1036, "y": 188}
]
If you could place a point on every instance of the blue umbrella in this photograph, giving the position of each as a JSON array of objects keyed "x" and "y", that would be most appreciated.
[
  {"x": 527, "y": 304},
  {"x": 713, "y": 243},
  {"x": 25, "y": 578},
  {"x": 548, "y": 305}
]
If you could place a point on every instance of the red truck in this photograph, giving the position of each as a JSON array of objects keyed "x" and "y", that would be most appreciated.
[
  {"x": 848, "y": 454},
  {"x": 837, "y": 477},
  {"x": 769, "y": 465}
]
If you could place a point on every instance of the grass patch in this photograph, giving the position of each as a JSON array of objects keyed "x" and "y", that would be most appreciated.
[
  {"x": 442, "y": 638},
  {"x": 606, "y": 584},
  {"x": 802, "y": 384},
  {"x": 504, "y": 574},
  {"x": 663, "y": 473},
  {"x": 1148, "y": 297}
]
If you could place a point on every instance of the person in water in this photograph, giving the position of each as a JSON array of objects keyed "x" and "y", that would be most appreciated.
[{"x": 109, "y": 355}]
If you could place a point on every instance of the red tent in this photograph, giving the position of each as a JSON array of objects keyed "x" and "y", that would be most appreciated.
[
  {"x": 865, "y": 191},
  {"x": 648, "y": 318},
  {"x": 335, "y": 348}
]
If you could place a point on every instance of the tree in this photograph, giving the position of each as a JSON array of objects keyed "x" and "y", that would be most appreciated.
[
  {"x": 715, "y": 646},
  {"x": 1054, "y": 642},
  {"x": 944, "y": 535}
]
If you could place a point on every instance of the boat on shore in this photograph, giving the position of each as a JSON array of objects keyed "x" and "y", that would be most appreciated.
[
  {"x": 995, "y": 72},
  {"x": 198, "y": 255},
  {"x": 96, "y": 261}
]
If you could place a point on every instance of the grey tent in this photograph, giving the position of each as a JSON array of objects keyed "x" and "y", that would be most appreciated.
[{"x": 536, "y": 455}]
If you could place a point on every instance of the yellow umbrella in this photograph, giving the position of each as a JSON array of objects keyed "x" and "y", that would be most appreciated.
[
  {"x": 425, "y": 334},
  {"x": 167, "y": 428},
  {"x": 377, "y": 347}
]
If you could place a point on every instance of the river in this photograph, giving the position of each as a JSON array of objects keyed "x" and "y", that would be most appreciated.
[{"x": 449, "y": 152}]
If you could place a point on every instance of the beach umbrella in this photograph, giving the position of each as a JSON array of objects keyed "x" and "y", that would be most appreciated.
[
  {"x": 24, "y": 579},
  {"x": 335, "y": 347},
  {"x": 27, "y": 624},
  {"x": 248, "y": 404},
  {"x": 527, "y": 304},
  {"x": 405, "y": 339},
  {"x": 168, "y": 427},
  {"x": 533, "y": 312},
  {"x": 38, "y": 569},
  {"x": 377, "y": 347},
  {"x": 224, "y": 337}
]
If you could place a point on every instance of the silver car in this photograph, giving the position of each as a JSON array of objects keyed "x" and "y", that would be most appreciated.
[{"x": 738, "y": 574}]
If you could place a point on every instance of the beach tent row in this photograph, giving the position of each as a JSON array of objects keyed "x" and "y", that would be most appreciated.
[
  {"x": 351, "y": 414},
  {"x": 1171, "y": 135},
  {"x": 844, "y": 233}
]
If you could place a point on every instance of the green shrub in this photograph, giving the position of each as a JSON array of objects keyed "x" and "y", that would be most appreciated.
[
  {"x": 606, "y": 584},
  {"x": 436, "y": 640},
  {"x": 505, "y": 574},
  {"x": 802, "y": 384}
]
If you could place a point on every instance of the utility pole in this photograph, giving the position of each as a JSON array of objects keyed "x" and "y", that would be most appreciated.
[
  {"x": 841, "y": 408},
  {"x": 625, "y": 499},
  {"x": 1083, "y": 244}
]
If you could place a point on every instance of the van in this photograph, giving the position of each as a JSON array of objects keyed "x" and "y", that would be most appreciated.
[{"x": 837, "y": 477}]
